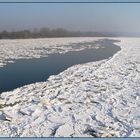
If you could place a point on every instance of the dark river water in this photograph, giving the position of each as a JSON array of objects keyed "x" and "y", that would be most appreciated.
[{"x": 27, "y": 71}]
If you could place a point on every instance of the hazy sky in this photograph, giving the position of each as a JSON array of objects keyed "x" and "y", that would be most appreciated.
[{"x": 103, "y": 17}]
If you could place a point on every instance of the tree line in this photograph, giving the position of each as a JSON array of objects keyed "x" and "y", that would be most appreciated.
[{"x": 46, "y": 33}]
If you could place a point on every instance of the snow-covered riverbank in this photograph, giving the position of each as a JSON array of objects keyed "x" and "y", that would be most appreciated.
[{"x": 99, "y": 99}]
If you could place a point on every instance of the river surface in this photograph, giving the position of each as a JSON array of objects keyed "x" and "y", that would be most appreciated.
[{"x": 27, "y": 71}]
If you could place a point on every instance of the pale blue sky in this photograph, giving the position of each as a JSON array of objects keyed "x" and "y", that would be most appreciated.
[{"x": 101, "y": 17}]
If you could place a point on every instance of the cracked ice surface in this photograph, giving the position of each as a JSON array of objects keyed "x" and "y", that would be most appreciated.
[{"x": 97, "y": 99}]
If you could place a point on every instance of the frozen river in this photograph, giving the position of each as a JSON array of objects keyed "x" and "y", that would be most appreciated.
[
  {"x": 95, "y": 99},
  {"x": 27, "y": 71}
]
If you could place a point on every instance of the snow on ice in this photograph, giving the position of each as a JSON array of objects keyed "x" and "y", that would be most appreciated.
[{"x": 96, "y": 99}]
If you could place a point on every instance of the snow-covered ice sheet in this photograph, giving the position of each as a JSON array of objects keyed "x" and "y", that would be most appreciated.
[{"x": 96, "y": 99}]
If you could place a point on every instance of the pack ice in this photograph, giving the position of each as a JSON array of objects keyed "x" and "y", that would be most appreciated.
[{"x": 96, "y": 99}]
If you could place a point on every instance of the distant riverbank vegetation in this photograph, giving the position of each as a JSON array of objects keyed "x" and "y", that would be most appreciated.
[{"x": 47, "y": 33}]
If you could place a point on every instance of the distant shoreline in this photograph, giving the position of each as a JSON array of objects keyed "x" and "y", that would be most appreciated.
[{"x": 49, "y": 33}]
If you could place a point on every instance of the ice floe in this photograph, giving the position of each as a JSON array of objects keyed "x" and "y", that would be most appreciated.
[{"x": 11, "y": 50}]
